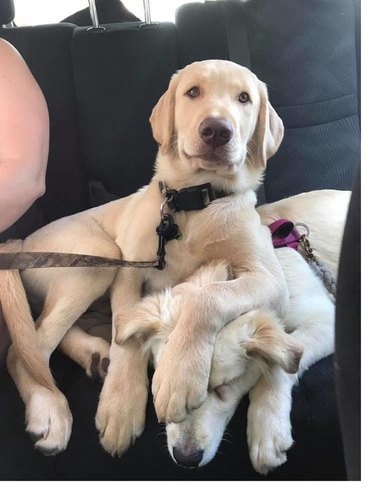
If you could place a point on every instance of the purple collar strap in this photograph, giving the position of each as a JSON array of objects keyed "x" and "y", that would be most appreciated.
[{"x": 284, "y": 234}]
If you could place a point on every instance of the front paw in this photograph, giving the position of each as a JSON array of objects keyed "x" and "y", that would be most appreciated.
[
  {"x": 120, "y": 418},
  {"x": 179, "y": 385},
  {"x": 49, "y": 421},
  {"x": 268, "y": 438}
]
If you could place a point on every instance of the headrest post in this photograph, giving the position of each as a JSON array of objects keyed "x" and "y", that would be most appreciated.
[
  {"x": 147, "y": 11},
  {"x": 93, "y": 14},
  {"x": 7, "y": 13}
]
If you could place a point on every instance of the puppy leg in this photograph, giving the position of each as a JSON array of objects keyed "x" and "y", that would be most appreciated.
[
  {"x": 121, "y": 411},
  {"x": 90, "y": 352},
  {"x": 269, "y": 428},
  {"x": 181, "y": 378},
  {"x": 48, "y": 418},
  {"x": 269, "y": 431},
  {"x": 311, "y": 313}
]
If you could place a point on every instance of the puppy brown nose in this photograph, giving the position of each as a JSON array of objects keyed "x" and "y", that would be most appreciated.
[
  {"x": 215, "y": 131},
  {"x": 189, "y": 459}
]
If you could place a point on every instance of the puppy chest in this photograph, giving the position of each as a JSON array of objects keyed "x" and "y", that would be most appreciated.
[
  {"x": 180, "y": 263},
  {"x": 225, "y": 239}
]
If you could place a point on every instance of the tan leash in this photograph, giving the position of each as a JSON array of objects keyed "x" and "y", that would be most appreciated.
[{"x": 38, "y": 260}]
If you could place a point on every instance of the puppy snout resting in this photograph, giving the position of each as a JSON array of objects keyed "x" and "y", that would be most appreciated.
[
  {"x": 216, "y": 132},
  {"x": 189, "y": 457}
]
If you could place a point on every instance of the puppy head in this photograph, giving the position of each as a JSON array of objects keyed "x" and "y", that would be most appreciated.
[
  {"x": 194, "y": 442},
  {"x": 243, "y": 351},
  {"x": 255, "y": 337},
  {"x": 216, "y": 118}
]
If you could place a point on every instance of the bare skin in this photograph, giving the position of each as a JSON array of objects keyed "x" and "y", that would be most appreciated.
[{"x": 24, "y": 137}]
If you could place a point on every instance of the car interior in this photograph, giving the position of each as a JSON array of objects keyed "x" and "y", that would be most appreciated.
[{"x": 102, "y": 70}]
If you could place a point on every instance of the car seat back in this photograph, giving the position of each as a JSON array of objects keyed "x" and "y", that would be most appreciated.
[
  {"x": 120, "y": 72},
  {"x": 306, "y": 53}
]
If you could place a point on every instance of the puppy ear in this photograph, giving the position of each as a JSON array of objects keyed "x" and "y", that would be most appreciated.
[
  {"x": 162, "y": 117},
  {"x": 140, "y": 324},
  {"x": 273, "y": 345},
  {"x": 268, "y": 133}
]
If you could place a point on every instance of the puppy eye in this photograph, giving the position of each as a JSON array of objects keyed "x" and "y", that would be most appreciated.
[
  {"x": 193, "y": 92},
  {"x": 244, "y": 97}
]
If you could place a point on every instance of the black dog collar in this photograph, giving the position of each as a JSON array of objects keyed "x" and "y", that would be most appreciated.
[{"x": 191, "y": 198}]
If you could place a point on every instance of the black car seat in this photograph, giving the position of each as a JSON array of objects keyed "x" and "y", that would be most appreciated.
[{"x": 107, "y": 10}]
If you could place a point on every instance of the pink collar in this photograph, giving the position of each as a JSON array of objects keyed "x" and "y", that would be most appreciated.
[{"x": 284, "y": 234}]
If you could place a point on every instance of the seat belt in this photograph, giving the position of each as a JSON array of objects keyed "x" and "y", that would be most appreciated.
[
  {"x": 238, "y": 48},
  {"x": 235, "y": 27}
]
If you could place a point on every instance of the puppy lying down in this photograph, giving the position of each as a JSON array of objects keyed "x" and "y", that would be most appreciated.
[{"x": 255, "y": 353}]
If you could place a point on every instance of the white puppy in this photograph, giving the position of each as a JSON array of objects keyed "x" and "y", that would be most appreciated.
[{"x": 252, "y": 353}]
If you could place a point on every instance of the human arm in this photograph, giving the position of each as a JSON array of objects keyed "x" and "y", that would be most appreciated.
[{"x": 24, "y": 137}]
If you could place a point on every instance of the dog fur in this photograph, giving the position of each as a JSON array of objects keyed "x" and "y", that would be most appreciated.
[
  {"x": 255, "y": 353},
  {"x": 252, "y": 354},
  {"x": 229, "y": 228}
]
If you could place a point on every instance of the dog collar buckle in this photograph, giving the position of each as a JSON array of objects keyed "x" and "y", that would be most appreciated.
[{"x": 191, "y": 198}]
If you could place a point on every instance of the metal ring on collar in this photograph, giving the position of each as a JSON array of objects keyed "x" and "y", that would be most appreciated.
[{"x": 303, "y": 225}]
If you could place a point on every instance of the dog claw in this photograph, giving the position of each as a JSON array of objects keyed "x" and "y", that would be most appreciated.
[
  {"x": 35, "y": 437},
  {"x": 47, "y": 452}
]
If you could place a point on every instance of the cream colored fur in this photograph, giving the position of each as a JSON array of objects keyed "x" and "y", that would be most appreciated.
[
  {"x": 254, "y": 353},
  {"x": 233, "y": 371},
  {"x": 229, "y": 229}
]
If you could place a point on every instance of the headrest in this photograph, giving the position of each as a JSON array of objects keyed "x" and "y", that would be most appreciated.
[
  {"x": 6, "y": 11},
  {"x": 108, "y": 11}
]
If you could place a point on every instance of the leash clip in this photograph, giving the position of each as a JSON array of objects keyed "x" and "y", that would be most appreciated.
[
  {"x": 166, "y": 230},
  {"x": 169, "y": 198},
  {"x": 305, "y": 242},
  {"x": 303, "y": 225}
]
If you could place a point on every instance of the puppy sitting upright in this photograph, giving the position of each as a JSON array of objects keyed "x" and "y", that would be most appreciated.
[{"x": 214, "y": 125}]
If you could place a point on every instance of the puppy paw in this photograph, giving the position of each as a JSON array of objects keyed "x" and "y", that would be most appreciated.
[
  {"x": 49, "y": 422},
  {"x": 179, "y": 384},
  {"x": 268, "y": 441},
  {"x": 120, "y": 417}
]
